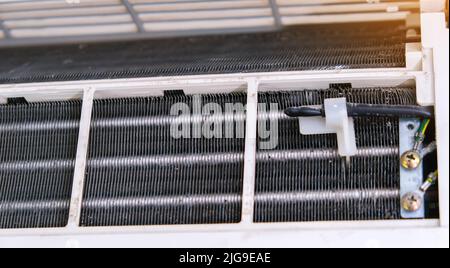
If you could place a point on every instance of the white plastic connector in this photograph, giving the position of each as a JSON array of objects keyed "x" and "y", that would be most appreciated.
[
  {"x": 336, "y": 121},
  {"x": 336, "y": 117}
]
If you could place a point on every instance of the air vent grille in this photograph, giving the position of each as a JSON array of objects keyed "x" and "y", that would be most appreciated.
[{"x": 50, "y": 21}]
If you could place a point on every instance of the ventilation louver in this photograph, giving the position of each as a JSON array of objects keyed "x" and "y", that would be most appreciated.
[{"x": 57, "y": 21}]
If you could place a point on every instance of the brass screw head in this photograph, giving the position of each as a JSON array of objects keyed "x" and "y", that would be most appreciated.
[
  {"x": 412, "y": 202},
  {"x": 411, "y": 159}
]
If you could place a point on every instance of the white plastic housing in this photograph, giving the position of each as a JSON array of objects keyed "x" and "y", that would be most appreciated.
[{"x": 432, "y": 87}]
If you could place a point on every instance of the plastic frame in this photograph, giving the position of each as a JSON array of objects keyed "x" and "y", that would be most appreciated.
[{"x": 432, "y": 87}]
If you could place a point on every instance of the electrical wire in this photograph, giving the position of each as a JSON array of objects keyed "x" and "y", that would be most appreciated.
[
  {"x": 430, "y": 148},
  {"x": 420, "y": 135},
  {"x": 424, "y": 126},
  {"x": 358, "y": 110},
  {"x": 304, "y": 111},
  {"x": 367, "y": 110},
  {"x": 430, "y": 181}
]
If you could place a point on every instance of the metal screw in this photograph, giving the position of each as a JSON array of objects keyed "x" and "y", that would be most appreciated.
[
  {"x": 412, "y": 202},
  {"x": 411, "y": 159}
]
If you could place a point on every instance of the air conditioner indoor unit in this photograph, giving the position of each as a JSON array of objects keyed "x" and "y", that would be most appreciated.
[{"x": 251, "y": 123}]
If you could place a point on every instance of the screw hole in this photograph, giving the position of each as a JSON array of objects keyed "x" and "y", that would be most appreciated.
[{"x": 411, "y": 126}]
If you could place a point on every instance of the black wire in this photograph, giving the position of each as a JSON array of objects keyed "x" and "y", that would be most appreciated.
[
  {"x": 303, "y": 111},
  {"x": 367, "y": 110},
  {"x": 355, "y": 110}
]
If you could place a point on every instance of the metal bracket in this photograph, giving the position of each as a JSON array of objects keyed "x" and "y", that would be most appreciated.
[{"x": 410, "y": 179}]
